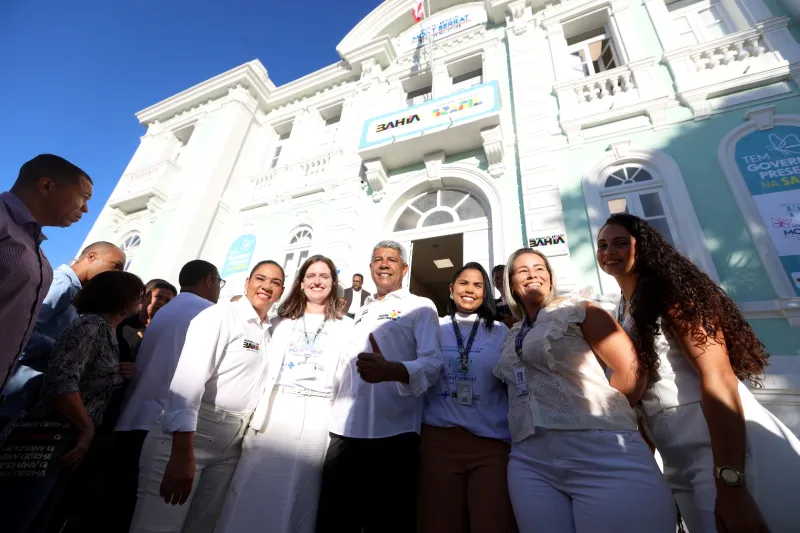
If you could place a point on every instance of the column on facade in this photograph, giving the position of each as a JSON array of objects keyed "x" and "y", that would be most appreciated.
[
  {"x": 533, "y": 77},
  {"x": 181, "y": 230}
]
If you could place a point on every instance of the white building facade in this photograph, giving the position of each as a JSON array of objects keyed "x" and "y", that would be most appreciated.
[{"x": 489, "y": 126}]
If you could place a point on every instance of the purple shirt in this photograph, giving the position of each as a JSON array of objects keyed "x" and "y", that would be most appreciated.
[{"x": 25, "y": 278}]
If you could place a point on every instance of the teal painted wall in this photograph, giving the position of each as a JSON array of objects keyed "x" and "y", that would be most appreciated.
[{"x": 693, "y": 145}]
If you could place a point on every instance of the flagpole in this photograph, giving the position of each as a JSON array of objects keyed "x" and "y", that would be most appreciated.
[{"x": 428, "y": 13}]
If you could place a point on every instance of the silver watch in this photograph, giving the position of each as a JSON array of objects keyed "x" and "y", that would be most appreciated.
[{"x": 729, "y": 476}]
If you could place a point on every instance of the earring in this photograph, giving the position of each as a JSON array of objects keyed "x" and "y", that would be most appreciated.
[{"x": 451, "y": 296}]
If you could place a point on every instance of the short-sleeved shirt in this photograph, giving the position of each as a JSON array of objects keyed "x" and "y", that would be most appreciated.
[
  {"x": 84, "y": 359},
  {"x": 567, "y": 387}
]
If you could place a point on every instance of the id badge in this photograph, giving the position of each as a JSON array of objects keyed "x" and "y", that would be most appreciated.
[
  {"x": 465, "y": 393},
  {"x": 521, "y": 378}
]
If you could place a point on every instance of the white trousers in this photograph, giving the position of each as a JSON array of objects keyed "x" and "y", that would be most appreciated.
[
  {"x": 277, "y": 483},
  {"x": 588, "y": 481},
  {"x": 772, "y": 464},
  {"x": 217, "y": 446}
]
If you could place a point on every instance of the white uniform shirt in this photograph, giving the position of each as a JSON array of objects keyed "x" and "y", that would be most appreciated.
[
  {"x": 487, "y": 416},
  {"x": 156, "y": 361},
  {"x": 290, "y": 368},
  {"x": 223, "y": 364},
  {"x": 406, "y": 328},
  {"x": 355, "y": 304}
]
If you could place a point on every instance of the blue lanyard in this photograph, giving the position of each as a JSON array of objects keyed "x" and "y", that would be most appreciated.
[
  {"x": 523, "y": 331},
  {"x": 463, "y": 351}
]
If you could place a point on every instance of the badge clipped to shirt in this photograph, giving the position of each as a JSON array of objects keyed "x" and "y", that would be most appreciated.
[
  {"x": 464, "y": 393},
  {"x": 521, "y": 381}
]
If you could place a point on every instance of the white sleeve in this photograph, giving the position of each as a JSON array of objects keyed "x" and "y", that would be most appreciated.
[
  {"x": 206, "y": 340},
  {"x": 276, "y": 351},
  {"x": 424, "y": 371}
]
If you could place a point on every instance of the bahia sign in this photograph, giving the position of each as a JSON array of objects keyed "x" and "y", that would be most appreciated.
[{"x": 440, "y": 113}]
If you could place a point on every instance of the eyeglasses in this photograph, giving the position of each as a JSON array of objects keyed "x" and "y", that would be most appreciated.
[{"x": 221, "y": 281}]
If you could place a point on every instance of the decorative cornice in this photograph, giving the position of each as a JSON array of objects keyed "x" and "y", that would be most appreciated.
[
  {"x": 433, "y": 165},
  {"x": 493, "y": 147},
  {"x": 376, "y": 176},
  {"x": 381, "y": 50},
  {"x": 251, "y": 76}
]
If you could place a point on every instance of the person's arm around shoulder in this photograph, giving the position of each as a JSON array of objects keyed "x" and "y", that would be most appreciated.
[
  {"x": 611, "y": 343},
  {"x": 424, "y": 371}
]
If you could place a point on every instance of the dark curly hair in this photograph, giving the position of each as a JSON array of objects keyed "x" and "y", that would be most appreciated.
[{"x": 671, "y": 287}]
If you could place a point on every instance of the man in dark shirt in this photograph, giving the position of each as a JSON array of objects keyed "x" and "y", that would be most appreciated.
[
  {"x": 503, "y": 310},
  {"x": 130, "y": 332}
]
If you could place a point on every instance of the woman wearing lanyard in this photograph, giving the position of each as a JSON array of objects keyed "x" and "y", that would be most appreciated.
[
  {"x": 578, "y": 463},
  {"x": 465, "y": 441},
  {"x": 276, "y": 485}
]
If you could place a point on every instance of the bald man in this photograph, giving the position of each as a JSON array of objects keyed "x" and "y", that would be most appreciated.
[{"x": 55, "y": 314}]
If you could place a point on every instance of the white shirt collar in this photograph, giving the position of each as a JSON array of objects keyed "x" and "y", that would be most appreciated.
[
  {"x": 399, "y": 294},
  {"x": 247, "y": 312}
]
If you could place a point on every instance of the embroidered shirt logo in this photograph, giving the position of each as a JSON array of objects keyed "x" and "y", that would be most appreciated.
[
  {"x": 250, "y": 345},
  {"x": 394, "y": 315}
]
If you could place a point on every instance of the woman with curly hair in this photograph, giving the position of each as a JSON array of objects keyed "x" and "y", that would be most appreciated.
[{"x": 733, "y": 466}]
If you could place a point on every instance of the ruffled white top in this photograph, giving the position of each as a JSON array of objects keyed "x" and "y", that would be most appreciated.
[{"x": 567, "y": 388}]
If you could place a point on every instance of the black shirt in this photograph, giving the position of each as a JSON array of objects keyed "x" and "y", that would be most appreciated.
[{"x": 129, "y": 337}]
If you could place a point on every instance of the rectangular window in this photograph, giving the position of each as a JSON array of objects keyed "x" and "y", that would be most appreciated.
[
  {"x": 592, "y": 52},
  {"x": 419, "y": 96},
  {"x": 331, "y": 114},
  {"x": 698, "y": 22},
  {"x": 183, "y": 136},
  {"x": 466, "y": 73},
  {"x": 284, "y": 131},
  {"x": 418, "y": 88}
]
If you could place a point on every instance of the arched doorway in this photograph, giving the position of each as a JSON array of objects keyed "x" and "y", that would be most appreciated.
[{"x": 442, "y": 230}]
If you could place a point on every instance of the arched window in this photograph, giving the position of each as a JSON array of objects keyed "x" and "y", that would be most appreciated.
[
  {"x": 445, "y": 206},
  {"x": 297, "y": 251},
  {"x": 632, "y": 188},
  {"x": 646, "y": 183},
  {"x": 130, "y": 245}
]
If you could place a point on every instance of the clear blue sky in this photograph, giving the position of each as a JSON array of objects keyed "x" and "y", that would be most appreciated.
[{"x": 74, "y": 73}]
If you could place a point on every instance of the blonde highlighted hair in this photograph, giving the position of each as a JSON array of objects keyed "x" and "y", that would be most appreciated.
[{"x": 514, "y": 301}]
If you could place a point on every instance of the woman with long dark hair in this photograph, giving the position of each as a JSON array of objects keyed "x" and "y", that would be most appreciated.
[
  {"x": 577, "y": 462},
  {"x": 732, "y": 465},
  {"x": 277, "y": 481},
  {"x": 465, "y": 441}
]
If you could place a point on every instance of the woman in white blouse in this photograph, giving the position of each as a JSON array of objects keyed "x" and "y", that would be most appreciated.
[
  {"x": 464, "y": 442},
  {"x": 277, "y": 482},
  {"x": 578, "y": 463}
]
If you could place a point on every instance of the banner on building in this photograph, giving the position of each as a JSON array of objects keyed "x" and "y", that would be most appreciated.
[
  {"x": 439, "y": 26},
  {"x": 770, "y": 163},
  {"x": 239, "y": 255},
  {"x": 435, "y": 114}
]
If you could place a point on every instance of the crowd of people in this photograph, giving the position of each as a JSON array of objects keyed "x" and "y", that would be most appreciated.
[{"x": 131, "y": 406}]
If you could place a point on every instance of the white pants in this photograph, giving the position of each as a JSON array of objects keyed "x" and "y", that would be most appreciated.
[
  {"x": 772, "y": 464},
  {"x": 217, "y": 446},
  {"x": 588, "y": 481},
  {"x": 277, "y": 483}
]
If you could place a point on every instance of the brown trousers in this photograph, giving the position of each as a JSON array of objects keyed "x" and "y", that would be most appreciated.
[{"x": 463, "y": 484}]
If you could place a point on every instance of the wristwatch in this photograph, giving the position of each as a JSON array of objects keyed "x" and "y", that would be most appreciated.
[{"x": 729, "y": 476}]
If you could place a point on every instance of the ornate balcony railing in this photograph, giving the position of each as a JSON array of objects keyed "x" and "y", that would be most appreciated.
[{"x": 136, "y": 188}]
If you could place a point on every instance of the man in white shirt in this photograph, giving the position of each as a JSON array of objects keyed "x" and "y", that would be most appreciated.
[
  {"x": 355, "y": 296},
  {"x": 370, "y": 473},
  {"x": 189, "y": 457},
  {"x": 145, "y": 398}
]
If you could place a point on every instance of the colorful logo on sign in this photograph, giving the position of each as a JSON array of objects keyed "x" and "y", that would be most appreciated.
[
  {"x": 239, "y": 255},
  {"x": 397, "y": 123},
  {"x": 770, "y": 164},
  {"x": 550, "y": 240}
]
